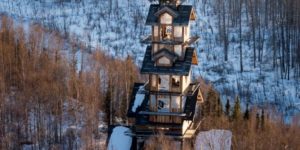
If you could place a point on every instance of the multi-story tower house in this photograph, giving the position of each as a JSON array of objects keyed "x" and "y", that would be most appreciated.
[{"x": 168, "y": 101}]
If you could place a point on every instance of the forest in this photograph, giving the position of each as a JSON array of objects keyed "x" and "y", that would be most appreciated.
[
  {"x": 42, "y": 94},
  {"x": 265, "y": 26}
]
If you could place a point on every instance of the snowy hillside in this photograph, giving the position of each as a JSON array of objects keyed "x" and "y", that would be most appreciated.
[{"x": 118, "y": 25}]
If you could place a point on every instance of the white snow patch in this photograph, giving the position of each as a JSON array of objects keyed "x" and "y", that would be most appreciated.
[
  {"x": 139, "y": 98},
  {"x": 214, "y": 139},
  {"x": 119, "y": 140}
]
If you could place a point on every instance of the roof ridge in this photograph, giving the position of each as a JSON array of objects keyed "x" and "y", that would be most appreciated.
[{"x": 167, "y": 9}]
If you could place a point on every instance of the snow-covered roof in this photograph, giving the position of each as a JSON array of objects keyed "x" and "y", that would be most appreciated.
[
  {"x": 139, "y": 98},
  {"x": 214, "y": 139},
  {"x": 131, "y": 112},
  {"x": 119, "y": 139}
]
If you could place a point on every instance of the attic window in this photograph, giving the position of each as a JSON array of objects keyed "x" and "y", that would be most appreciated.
[
  {"x": 164, "y": 61},
  {"x": 166, "y": 19}
]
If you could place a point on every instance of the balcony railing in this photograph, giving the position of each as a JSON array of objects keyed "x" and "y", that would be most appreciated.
[{"x": 176, "y": 40}]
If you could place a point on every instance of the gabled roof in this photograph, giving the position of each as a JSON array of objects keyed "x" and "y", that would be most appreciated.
[
  {"x": 130, "y": 113},
  {"x": 166, "y": 9},
  {"x": 180, "y": 67},
  {"x": 165, "y": 52},
  {"x": 184, "y": 14}
]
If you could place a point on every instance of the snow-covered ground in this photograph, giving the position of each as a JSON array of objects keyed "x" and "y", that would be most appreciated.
[
  {"x": 213, "y": 139},
  {"x": 119, "y": 139},
  {"x": 118, "y": 27}
]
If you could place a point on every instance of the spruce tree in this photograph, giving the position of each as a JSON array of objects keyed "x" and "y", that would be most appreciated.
[
  {"x": 212, "y": 105},
  {"x": 206, "y": 111},
  {"x": 236, "y": 114},
  {"x": 247, "y": 113},
  {"x": 227, "y": 107},
  {"x": 257, "y": 121},
  {"x": 107, "y": 104},
  {"x": 262, "y": 118},
  {"x": 219, "y": 107}
]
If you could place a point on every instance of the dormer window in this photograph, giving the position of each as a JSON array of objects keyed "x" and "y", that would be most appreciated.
[
  {"x": 164, "y": 57},
  {"x": 166, "y": 19},
  {"x": 164, "y": 61}
]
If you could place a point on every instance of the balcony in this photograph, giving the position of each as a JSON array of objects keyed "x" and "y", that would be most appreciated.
[
  {"x": 171, "y": 90},
  {"x": 156, "y": 40},
  {"x": 176, "y": 41}
]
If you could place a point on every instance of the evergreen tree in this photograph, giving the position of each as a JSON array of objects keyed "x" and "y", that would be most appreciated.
[
  {"x": 207, "y": 104},
  {"x": 219, "y": 108},
  {"x": 257, "y": 121},
  {"x": 107, "y": 104},
  {"x": 236, "y": 114},
  {"x": 262, "y": 118},
  {"x": 247, "y": 113},
  {"x": 227, "y": 107},
  {"x": 212, "y": 105}
]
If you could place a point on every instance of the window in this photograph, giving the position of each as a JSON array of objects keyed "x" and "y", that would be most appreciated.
[
  {"x": 166, "y": 32},
  {"x": 186, "y": 32},
  {"x": 178, "y": 31},
  {"x": 178, "y": 50},
  {"x": 164, "y": 61},
  {"x": 175, "y": 81},
  {"x": 169, "y": 30},
  {"x": 155, "y": 31},
  {"x": 175, "y": 103},
  {"x": 163, "y": 103},
  {"x": 153, "y": 80},
  {"x": 164, "y": 82}
]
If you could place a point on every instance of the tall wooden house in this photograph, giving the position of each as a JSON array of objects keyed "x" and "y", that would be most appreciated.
[{"x": 167, "y": 102}]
